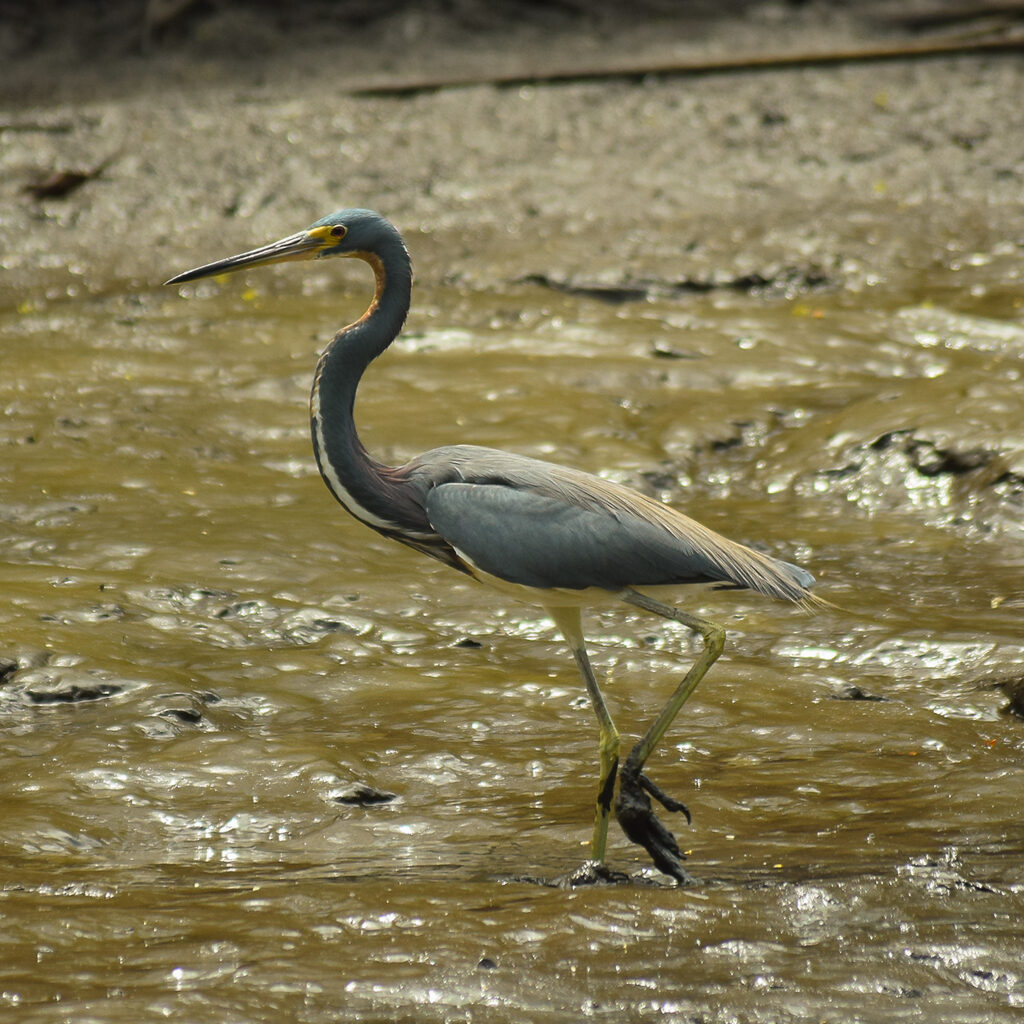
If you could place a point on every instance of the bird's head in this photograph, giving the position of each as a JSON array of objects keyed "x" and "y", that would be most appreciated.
[{"x": 360, "y": 233}]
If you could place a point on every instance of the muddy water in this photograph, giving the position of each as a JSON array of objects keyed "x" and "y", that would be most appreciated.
[{"x": 205, "y": 663}]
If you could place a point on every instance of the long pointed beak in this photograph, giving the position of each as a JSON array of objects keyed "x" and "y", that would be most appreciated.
[{"x": 304, "y": 245}]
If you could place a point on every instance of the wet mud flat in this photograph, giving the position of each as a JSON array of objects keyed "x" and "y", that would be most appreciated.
[{"x": 788, "y": 302}]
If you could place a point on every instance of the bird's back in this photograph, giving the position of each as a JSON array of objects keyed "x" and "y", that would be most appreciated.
[{"x": 547, "y": 526}]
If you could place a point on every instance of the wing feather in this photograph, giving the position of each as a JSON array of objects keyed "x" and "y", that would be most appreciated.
[{"x": 544, "y": 525}]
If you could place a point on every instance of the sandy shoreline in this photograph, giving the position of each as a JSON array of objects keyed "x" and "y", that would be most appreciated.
[{"x": 861, "y": 174}]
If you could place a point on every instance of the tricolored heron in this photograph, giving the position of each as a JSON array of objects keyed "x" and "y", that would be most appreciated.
[{"x": 545, "y": 533}]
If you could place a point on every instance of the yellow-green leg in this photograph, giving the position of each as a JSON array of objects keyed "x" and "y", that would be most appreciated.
[
  {"x": 633, "y": 808},
  {"x": 713, "y": 636},
  {"x": 569, "y": 622}
]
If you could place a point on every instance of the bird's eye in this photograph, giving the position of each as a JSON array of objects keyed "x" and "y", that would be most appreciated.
[{"x": 339, "y": 231}]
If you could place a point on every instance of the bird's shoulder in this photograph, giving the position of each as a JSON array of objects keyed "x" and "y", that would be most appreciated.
[
  {"x": 546, "y": 525},
  {"x": 550, "y": 481},
  {"x": 474, "y": 464}
]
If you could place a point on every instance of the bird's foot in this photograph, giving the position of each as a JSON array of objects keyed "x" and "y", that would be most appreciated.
[
  {"x": 638, "y": 820},
  {"x": 666, "y": 801}
]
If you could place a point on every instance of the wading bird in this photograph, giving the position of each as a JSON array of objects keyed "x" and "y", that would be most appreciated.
[{"x": 549, "y": 535}]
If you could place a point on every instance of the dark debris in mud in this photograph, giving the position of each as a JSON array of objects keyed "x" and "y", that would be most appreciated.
[
  {"x": 662, "y": 351},
  {"x": 63, "y": 686},
  {"x": 187, "y": 716},
  {"x": 789, "y": 280},
  {"x": 176, "y": 713},
  {"x": 852, "y": 692},
  {"x": 1013, "y": 688},
  {"x": 39, "y": 678},
  {"x": 592, "y": 873},
  {"x": 237, "y": 621},
  {"x": 899, "y": 460},
  {"x": 61, "y": 182},
  {"x": 106, "y": 612},
  {"x": 928, "y": 457},
  {"x": 359, "y": 794}
]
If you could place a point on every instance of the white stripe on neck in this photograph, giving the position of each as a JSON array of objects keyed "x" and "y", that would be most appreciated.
[{"x": 330, "y": 474}]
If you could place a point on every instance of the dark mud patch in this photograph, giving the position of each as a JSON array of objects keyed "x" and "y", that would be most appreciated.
[
  {"x": 971, "y": 486},
  {"x": 62, "y": 686},
  {"x": 776, "y": 282},
  {"x": 359, "y": 794},
  {"x": 1012, "y": 687},
  {"x": 854, "y": 692}
]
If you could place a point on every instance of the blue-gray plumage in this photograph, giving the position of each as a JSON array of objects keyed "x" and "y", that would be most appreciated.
[
  {"x": 545, "y": 526},
  {"x": 547, "y": 533}
]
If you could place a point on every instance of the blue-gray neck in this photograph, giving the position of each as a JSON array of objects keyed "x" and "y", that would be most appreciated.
[{"x": 366, "y": 488}]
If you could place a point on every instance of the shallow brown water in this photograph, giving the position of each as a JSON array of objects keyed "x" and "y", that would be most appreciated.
[{"x": 209, "y": 653}]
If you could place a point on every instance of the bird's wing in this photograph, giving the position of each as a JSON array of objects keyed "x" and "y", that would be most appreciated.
[
  {"x": 539, "y": 541},
  {"x": 546, "y": 526}
]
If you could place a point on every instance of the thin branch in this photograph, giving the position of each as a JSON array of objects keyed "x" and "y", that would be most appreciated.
[{"x": 704, "y": 65}]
